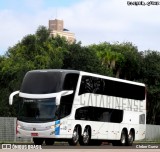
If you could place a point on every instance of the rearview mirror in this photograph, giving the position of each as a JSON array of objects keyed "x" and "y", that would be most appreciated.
[
  {"x": 11, "y": 97},
  {"x": 65, "y": 93},
  {"x": 62, "y": 93}
]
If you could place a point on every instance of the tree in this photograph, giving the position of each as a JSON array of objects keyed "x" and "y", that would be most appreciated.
[
  {"x": 36, "y": 51},
  {"x": 81, "y": 58},
  {"x": 129, "y": 64},
  {"x": 150, "y": 76},
  {"x": 42, "y": 34},
  {"x": 41, "y": 51},
  {"x": 108, "y": 57}
]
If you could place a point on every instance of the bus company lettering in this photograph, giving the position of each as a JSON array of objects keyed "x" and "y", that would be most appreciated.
[{"x": 104, "y": 101}]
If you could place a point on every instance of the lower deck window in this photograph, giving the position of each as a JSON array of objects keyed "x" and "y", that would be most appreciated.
[{"x": 99, "y": 114}]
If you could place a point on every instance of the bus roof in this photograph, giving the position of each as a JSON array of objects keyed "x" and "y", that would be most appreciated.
[
  {"x": 111, "y": 78},
  {"x": 56, "y": 70},
  {"x": 89, "y": 74}
]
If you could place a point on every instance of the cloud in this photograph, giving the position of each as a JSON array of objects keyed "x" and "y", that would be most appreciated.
[
  {"x": 92, "y": 21},
  {"x": 13, "y": 29},
  {"x": 97, "y": 21}
]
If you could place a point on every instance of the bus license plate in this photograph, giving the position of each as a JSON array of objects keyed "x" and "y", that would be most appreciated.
[{"x": 34, "y": 134}]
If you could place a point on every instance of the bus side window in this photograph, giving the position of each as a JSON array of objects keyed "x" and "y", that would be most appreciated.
[
  {"x": 70, "y": 81},
  {"x": 102, "y": 114},
  {"x": 105, "y": 117},
  {"x": 85, "y": 113},
  {"x": 81, "y": 114},
  {"x": 87, "y": 85},
  {"x": 142, "y": 119},
  {"x": 116, "y": 116},
  {"x": 99, "y": 114},
  {"x": 65, "y": 105},
  {"x": 91, "y": 85}
]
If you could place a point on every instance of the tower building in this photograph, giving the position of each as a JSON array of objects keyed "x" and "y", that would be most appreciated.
[{"x": 56, "y": 27}]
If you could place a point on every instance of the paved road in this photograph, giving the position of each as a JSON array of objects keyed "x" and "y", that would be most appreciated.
[
  {"x": 103, "y": 148},
  {"x": 86, "y": 150}
]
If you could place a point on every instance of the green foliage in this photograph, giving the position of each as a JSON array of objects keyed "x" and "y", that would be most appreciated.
[
  {"x": 150, "y": 74},
  {"x": 81, "y": 58},
  {"x": 40, "y": 51}
]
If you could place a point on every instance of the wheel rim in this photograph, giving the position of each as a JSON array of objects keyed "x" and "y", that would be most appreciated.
[
  {"x": 130, "y": 138},
  {"x": 123, "y": 139},
  {"x": 75, "y": 135},
  {"x": 86, "y": 136}
]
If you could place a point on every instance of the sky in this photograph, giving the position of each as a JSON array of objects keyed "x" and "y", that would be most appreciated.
[{"x": 92, "y": 21}]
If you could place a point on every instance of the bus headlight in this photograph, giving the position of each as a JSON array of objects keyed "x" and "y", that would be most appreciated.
[
  {"x": 18, "y": 126},
  {"x": 52, "y": 127}
]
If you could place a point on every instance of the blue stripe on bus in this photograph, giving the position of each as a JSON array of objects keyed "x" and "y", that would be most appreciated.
[{"x": 57, "y": 128}]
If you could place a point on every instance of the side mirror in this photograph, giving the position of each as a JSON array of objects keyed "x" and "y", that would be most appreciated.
[
  {"x": 65, "y": 93},
  {"x": 62, "y": 93},
  {"x": 11, "y": 97}
]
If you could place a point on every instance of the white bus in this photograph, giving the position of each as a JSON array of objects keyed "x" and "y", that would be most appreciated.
[{"x": 80, "y": 107}]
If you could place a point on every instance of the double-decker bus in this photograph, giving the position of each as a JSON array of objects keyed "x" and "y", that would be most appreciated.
[{"x": 80, "y": 107}]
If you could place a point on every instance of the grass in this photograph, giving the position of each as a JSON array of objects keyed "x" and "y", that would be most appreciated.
[{"x": 157, "y": 141}]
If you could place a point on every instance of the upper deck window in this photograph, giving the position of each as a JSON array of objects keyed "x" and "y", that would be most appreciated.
[
  {"x": 108, "y": 87},
  {"x": 70, "y": 81}
]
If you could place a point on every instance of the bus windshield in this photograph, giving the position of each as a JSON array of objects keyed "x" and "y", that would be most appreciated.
[
  {"x": 38, "y": 110},
  {"x": 42, "y": 82}
]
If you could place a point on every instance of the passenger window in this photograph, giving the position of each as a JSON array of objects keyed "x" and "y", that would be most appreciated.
[
  {"x": 82, "y": 114},
  {"x": 99, "y": 114},
  {"x": 116, "y": 116},
  {"x": 70, "y": 81},
  {"x": 142, "y": 119},
  {"x": 102, "y": 86}
]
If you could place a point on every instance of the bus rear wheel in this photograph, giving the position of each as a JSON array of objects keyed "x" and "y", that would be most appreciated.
[
  {"x": 75, "y": 137},
  {"x": 38, "y": 141},
  {"x": 86, "y": 137},
  {"x": 122, "y": 141},
  {"x": 130, "y": 139}
]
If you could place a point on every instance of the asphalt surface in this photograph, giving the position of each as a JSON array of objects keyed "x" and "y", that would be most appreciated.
[{"x": 66, "y": 148}]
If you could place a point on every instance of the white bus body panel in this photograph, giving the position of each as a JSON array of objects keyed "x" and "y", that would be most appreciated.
[{"x": 99, "y": 130}]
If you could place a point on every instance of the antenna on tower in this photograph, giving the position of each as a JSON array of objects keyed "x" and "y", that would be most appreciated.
[{"x": 56, "y": 13}]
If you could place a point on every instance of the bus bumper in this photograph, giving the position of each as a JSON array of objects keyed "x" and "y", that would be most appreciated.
[{"x": 42, "y": 134}]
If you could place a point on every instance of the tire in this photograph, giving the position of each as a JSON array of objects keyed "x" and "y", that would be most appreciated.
[
  {"x": 75, "y": 137},
  {"x": 86, "y": 137},
  {"x": 130, "y": 139},
  {"x": 38, "y": 141},
  {"x": 49, "y": 141},
  {"x": 123, "y": 140}
]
